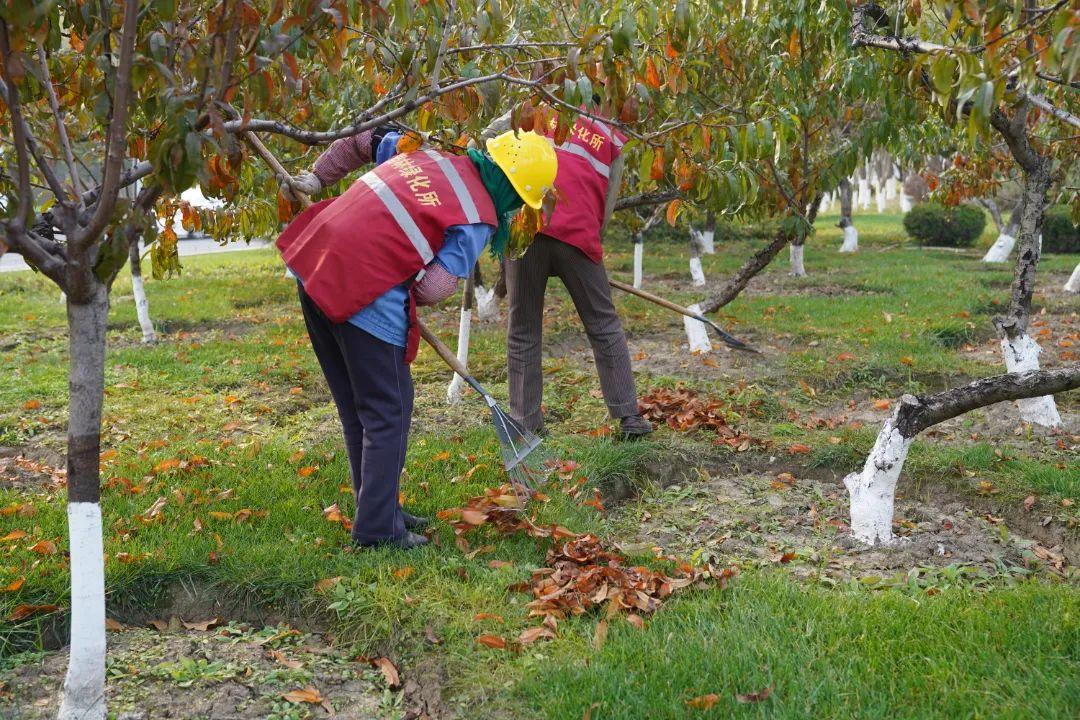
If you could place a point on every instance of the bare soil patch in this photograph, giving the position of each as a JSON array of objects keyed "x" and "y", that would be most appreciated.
[
  {"x": 761, "y": 510},
  {"x": 223, "y": 673}
]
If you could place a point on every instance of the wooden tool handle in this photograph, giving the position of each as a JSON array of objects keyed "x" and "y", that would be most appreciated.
[
  {"x": 653, "y": 298},
  {"x": 269, "y": 159},
  {"x": 444, "y": 352}
]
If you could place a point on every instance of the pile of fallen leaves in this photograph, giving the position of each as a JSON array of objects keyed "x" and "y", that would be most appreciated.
[
  {"x": 581, "y": 574},
  {"x": 685, "y": 410}
]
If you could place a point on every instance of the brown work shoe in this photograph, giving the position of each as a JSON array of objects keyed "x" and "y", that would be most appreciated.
[{"x": 634, "y": 427}]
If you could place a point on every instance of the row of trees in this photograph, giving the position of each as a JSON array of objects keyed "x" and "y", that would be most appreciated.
[{"x": 750, "y": 109}]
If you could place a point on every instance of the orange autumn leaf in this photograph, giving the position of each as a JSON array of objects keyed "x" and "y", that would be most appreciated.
[
  {"x": 492, "y": 641},
  {"x": 307, "y": 470},
  {"x": 703, "y": 702},
  {"x": 652, "y": 77},
  {"x": 14, "y": 535},
  {"x": 656, "y": 172},
  {"x": 333, "y": 513},
  {"x": 882, "y": 404},
  {"x": 22, "y": 612},
  {"x": 404, "y": 572},
  {"x": 528, "y": 637},
  {"x": 672, "y": 214},
  {"x": 845, "y": 357},
  {"x": 307, "y": 695},
  {"x": 798, "y": 449},
  {"x": 326, "y": 584},
  {"x": 13, "y": 585},
  {"x": 43, "y": 547},
  {"x": 487, "y": 616},
  {"x": 755, "y": 697},
  {"x": 166, "y": 465},
  {"x": 440, "y": 457},
  {"x": 31, "y": 405},
  {"x": 297, "y": 456}
]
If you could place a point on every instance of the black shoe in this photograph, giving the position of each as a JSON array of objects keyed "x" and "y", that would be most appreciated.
[
  {"x": 414, "y": 522},
  {"x": 634, "y": 427},
  {"x": 408, "y": 541}
]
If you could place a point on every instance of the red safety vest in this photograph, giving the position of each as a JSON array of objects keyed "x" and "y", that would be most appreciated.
[
  {"x": 383, "y": 230},
  {"x": 585, "y": 159}
]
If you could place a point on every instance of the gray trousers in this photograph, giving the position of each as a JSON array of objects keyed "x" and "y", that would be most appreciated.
[{"x": 587, "y": 283}]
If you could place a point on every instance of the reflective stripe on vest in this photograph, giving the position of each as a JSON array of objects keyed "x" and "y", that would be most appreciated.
[
  {"x": 614, "y": 138},
  {"x": 400, "y": 214},
  {"x": 575, "y": 149},
  {"x": 462, "y": 192}
]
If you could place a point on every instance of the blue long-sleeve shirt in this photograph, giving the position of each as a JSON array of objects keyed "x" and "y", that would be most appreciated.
[{"x": 387, "y": 317}]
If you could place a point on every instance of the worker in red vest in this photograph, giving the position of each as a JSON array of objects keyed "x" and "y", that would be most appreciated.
[
  {"x": 399, "y": 237},
  {"x": 587, "y": 184}
]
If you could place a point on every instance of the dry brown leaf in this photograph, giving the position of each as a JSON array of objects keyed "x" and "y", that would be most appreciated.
[
  {"x": 636, "y": 620},
  {"x": 429, "y": 633},
  {"x": 882, "y": 404},
  {"x": 389, "y": 671},
  {"x": 325, "y": 584},
  {"x": 14, "y": 535},
  {"x": 492, "y": 641},
  {"x": 159, "y": 625},
  {"x": 13, "y": 585},
  {"x": 307, "y": 695},
  {"x": 600, "y": 636},
  {"x": 403, "y": 573},
  {"x": 487, "y": 616},
  {"x": 284, "y": 659},
  {"x": 307, "y": 470},
  {"x": 755, "y": 697},
  {"x": 496, "y": 564},
  {"x": 798, "y": 449},
  {"x": 1029, "y": 502},
  {"x": 43, "y": 547},
  {"x": 204, "y": 625},
  {"x": 703, "y": 702},
  {"x": 24, "y": 611},
  {"x": 531, "y": 635},
  {"x": 113, "y": 626}
]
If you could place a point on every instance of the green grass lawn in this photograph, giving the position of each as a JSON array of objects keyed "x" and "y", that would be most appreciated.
[{"x": 226, "y": 429}]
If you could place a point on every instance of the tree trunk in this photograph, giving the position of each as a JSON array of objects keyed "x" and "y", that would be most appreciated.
[
  {"x": 697, "y": 273},
  {"x": 708, "y": 235},
  {"x": 796, "y": 258},
  {"x": 1021, "y": 352},
  {"x": 142, "y": 305},
  {"x": 1073, "y": 283},
  {"x": 697, "y": 335},
  {"x": 639, "y": 259},
  {"x": 851, "y": 235},
  {"x": 1006, "y": 240},
  {"x": 457, "y": 383},
  {"x": 755, "y": 264},
  {"x": 873, "y": 490},
  {"x": 84, "y": 687}
]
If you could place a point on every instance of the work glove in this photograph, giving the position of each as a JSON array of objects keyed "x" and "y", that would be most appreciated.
[{"x": 305, "y": 183}]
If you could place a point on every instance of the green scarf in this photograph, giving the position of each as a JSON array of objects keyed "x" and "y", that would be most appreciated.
[{"x": 503, "y": 195}]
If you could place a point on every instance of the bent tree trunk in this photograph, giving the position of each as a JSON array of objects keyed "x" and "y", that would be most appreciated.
[
  {"x": 142, "y": 305},
  {"x": 758, "y": 262},
  {"x": 796, "y": 257},
  {"x": 1006, "y": 240},
  {"x": 851, "y": 235},
  {"x": 84, "y": 686},
  {"x": 873, "y": 490}
]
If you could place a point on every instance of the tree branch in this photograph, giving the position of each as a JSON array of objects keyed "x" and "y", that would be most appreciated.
[
  {"x": 655, "y": 197},
  {"x": 442, "y": 46},
  {"x": 917, "y": 413},
  {"x": 17, "y": 226},
  {"x": 115, "y": 147},
  {"x": 61, "y": 126},
  {"x": 755, "y": 264}
]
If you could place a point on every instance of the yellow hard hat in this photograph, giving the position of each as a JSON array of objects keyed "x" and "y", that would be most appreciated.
[{"x": 529, "y": 162}]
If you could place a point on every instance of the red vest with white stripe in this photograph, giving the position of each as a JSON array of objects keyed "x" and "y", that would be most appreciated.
[
  {"x": 585, "y": 159},
  {"x": 383, "y": 230}
]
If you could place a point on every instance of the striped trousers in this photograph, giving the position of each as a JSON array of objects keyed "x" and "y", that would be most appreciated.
[{"x": 587, "y": 283}]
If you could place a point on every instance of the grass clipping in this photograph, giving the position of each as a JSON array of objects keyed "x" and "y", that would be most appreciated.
[{"x": 581, "y": 573}]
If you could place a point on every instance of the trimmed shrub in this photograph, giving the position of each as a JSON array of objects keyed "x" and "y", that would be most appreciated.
[
  {"x": 1060, "y": 235},
  {"x": 933, "y": 224}
]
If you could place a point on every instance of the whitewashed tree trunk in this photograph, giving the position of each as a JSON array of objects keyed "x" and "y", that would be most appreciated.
[
  {"x": 796, "y": 255},
  {"x": 84, "y": 687},
  {"x": 879, "y": 196},
  {"x": 639, "y": 256},
  {"x": 890, "y": 188},
  {"x": 1022, "y": 354},
  {"x": 864, "y": 193},
  {"x": 487, "y": 304},
  {"x": 826, "y": 203},
  {"x": 457, "y": 384},
  {"x": 697, "y": 273},
  {"x": 1001, "y": 249},
  {"x": 697, "y": 335},
  {"x": 905, "y": 201},
  {"x": 873, "y": 491},
  {"x": 851, "y": 240},
  {"x": 142, "y": 305},
  {"x": 1073, "y": 283}
]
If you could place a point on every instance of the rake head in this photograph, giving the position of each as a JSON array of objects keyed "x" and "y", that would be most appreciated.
[{"x": 521, "y": 453}]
